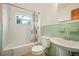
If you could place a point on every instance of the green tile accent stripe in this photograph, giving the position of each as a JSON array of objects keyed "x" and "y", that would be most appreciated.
[{"x": 68, "y": 30}]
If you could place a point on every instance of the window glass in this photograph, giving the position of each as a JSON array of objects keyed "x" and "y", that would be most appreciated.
[{"x": 21, "y": 19}]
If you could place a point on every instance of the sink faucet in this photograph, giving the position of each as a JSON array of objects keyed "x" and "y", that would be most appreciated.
[{"x": 67, "y": 38}]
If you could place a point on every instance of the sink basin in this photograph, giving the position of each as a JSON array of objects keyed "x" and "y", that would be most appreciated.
[{"x": 65, "y": 43}]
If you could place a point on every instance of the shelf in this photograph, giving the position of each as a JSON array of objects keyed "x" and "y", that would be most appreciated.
[{"x": 68, "y": 21}]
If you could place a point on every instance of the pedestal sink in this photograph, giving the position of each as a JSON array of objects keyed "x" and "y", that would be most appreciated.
[{"x": 65, "y": 43}]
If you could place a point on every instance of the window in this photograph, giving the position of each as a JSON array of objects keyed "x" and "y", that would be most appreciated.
[{"x": 21, "y": 19}]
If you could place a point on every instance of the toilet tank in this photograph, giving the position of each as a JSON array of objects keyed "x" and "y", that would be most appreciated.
[{"x": 45, "y": 41}]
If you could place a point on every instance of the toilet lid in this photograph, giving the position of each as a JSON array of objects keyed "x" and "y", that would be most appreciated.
[{"x": 37, "y": 48}]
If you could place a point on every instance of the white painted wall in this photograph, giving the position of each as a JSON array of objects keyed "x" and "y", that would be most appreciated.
[
  {"x": 11, "y": 34},
  {"x": 0, "y": 12},
  {"x": 48, "y": 11},
  {"x": 49, "y": 15},
  {"x": 18, "y": 33},
  {"x": 4, "y": 25},
  {"x": 64, "y": 11}
]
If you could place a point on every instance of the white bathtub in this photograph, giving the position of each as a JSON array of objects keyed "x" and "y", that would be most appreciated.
[{"x": 19, "y": 50}]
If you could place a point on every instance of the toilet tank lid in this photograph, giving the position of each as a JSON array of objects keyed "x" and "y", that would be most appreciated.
[{"x": 37, "y": 48}]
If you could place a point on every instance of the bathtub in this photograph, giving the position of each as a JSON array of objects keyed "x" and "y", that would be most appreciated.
[{"x": 18, "y": 50}]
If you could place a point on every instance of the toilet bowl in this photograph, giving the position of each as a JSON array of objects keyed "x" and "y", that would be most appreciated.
[
  {"x": 37, "y": 50},
  {"x": 40, "y": 49}
]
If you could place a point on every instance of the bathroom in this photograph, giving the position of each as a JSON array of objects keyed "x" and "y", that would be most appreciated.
[{"x": 39, "y": 29}]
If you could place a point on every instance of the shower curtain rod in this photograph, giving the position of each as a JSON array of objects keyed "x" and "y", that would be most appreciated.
[{"x": 21, "y": 8}]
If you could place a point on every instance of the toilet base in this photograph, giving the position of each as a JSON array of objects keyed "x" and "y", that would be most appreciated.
[{"x": 43, "y": 54}]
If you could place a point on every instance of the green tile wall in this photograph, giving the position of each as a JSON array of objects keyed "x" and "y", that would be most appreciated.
[{"x": 64, "y": 30}]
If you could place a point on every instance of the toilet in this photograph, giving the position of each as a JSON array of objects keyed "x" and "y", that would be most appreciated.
[{"x": 39, "y": 50}]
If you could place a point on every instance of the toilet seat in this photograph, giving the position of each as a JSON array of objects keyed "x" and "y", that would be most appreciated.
[
  {"x": 40, "y": 49},
  {"x": 37, "y": 50}
]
